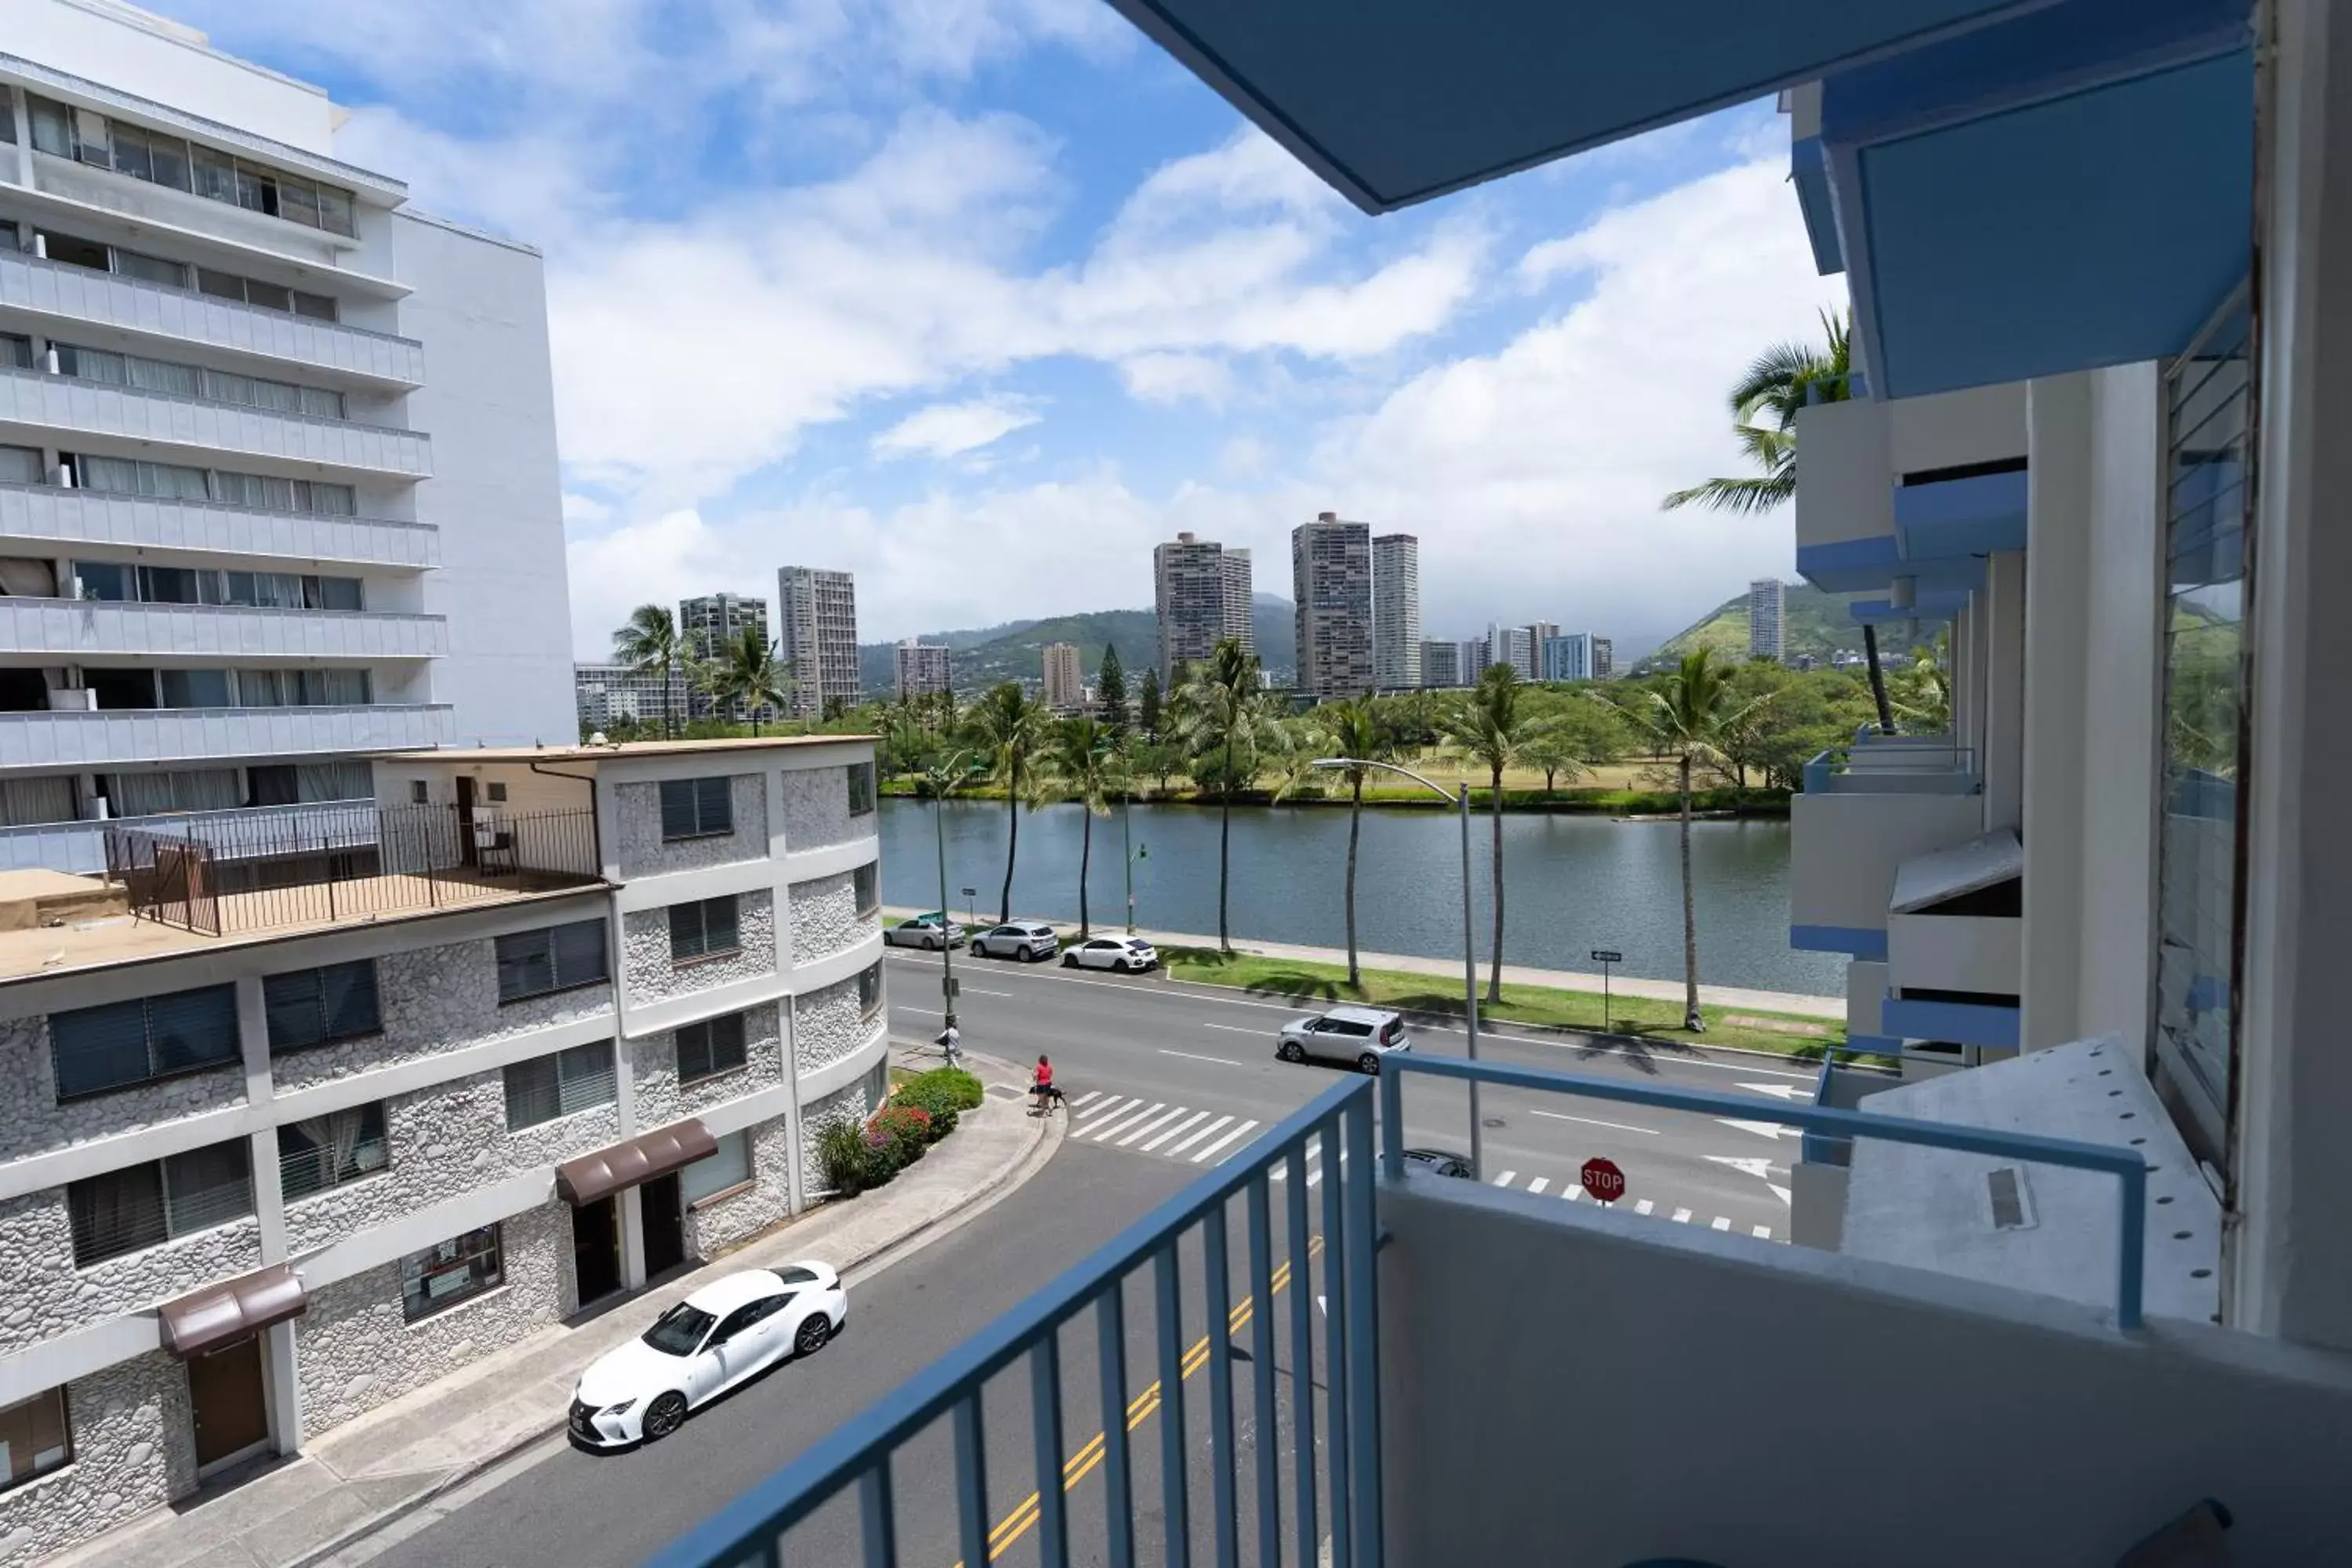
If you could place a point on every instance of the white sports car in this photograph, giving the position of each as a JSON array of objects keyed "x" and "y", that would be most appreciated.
[
  {"x": 1129, "y": 953},
  {"x": 732, "y": 1330}
]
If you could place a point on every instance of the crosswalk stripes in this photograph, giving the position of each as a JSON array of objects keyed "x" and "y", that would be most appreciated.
[
  {"x": 1573, "y": 1191},
  {"x": 1156, "y": 1127}
]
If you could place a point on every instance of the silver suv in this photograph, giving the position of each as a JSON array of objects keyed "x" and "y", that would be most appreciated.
[
  {"x": 1360, "y": 1037},
  {"x": 1028, "y": 941}
]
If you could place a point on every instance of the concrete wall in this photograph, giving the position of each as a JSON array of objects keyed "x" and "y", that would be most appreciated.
[
  {"x": 32, "y": 1121},
  {"x": 134, "y": 1449},
  {"x": 816, "y": 809},
  {"x": 826, "y": 918},
  {"x": 47, "y": 1296},
  {"x": 720, "y": 1222},
  {"x": 660, "y": 1100},
  {"x": 828, "y": 1025},
  {"x": 652, "y": 975},
  {"x": 1549, "y": 1373},
  {"x": 637, "y": 807},
  {"x": 1845, "y": 849}
]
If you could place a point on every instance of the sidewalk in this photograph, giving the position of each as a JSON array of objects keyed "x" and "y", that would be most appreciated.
[
  {"x": 367, "y": 1473},
  {"x": 1737, "y": 996}
]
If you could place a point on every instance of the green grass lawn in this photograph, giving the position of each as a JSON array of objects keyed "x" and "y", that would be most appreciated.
[{"x": 1322, "y": 983}]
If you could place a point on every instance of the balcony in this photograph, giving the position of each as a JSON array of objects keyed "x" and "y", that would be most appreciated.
[
  {"x": 79, "y": 848},
  {"x": 54, "y": 403},
  {"x": 1859, "y": 819},
  {"x": 70, "y": 630},
  {"x": 110, "y": 736},
  {"x": 79, "y": 295},
  {"x": 53, "y": 515},
  {"x": 1406, "y": 1369}
]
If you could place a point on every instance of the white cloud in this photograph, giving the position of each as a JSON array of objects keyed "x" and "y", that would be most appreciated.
[
  {"x": 1171, "y": 378},
  {"x": 950, "y": 429},
  {"x": 578, "y": 508}
]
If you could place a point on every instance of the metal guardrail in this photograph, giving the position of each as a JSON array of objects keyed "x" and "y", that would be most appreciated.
[
  {"x": 857, "y": 1454},
  {"x": 2128, "y": 1168}
]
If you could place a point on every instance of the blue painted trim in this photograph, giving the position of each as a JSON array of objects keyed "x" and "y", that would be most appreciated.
[
  {"x": 1850, "y": 566},
  {"x": 1809, "y": 172},
  {"x": 1854, "y": 941},
  {"x": 1932, "y": 605},
  {"x": 1961, "y": 1023},
  {"x": 1961, "y": 517}
]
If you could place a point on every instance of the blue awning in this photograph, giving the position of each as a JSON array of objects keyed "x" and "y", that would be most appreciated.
[
  {"x": 1395, "y": 101},
  {"x": 1972, "y": 516}
]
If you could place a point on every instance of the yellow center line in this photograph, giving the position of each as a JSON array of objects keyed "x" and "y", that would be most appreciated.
[{"x": 1025, "y": 1513}]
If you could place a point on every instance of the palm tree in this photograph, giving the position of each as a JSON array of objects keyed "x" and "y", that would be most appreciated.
[
  {"x": 649, "y": 642},
  {"x": 1082, "y": 762},
  {"x": 1490, "y": 729},
  {"x": 1356, "y": 733},
  {"x": 1690, "y": 715},
  {"x": 1221, "y": 710},
  {"x": 1010, "y": 727},
  {"x": 748, "y": 671}
]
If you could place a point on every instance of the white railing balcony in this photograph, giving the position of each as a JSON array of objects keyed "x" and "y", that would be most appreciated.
[
  {"x": 81, "y": 295},
  {"x": 68, "y": 630},
  {"x": 50, "y": 403},
  {"x": 109, "y": 736},
  {"x": 1846, "y": 848},
  {"x": 1845, "y": 509},
  {"x": 79, "y": 848},
  {"x": 53, "y": 515}
]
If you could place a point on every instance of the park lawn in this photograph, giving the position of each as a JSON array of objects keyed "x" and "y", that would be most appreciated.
[{"x": 1317, "y": 983}]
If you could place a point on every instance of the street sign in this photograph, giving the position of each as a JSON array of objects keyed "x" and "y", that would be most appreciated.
[
  {"x": 1603, "y": 955},
  {"x": 1603, "y": 1182},
  {"x": 952, "y": 986}
]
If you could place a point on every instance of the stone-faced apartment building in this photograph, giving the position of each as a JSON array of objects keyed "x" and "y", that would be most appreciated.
[{"x": 284, "y": 1138}]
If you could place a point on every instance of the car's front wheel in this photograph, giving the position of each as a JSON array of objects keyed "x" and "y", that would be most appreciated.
[
  {"x": 814, "y": 1332},
  {"x": 664, "y": 1415},
  {"x": 1291, "y": 1051}
]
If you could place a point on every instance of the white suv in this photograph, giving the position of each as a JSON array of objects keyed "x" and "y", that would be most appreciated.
[
  {"x": 1360, "y": 1037},
  {"x": 1028, "y": 941}
]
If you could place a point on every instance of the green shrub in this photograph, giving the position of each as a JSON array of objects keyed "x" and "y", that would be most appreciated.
[
  {"x": 962, "y": 1091},
  {"x": 936, "y": 1100},
  {"x": 843, "y": 1154}
]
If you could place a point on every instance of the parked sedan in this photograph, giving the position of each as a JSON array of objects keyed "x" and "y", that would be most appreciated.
[
  {"x": 1438, "y": 1162},
  {"x": 1128, "y": 954},
  {"x": 932, "y": 930},
  {"x": 1031, "y": 941},
  {"x": 1360, "y": 1037},
  {"x": 732, "y": 1330}
]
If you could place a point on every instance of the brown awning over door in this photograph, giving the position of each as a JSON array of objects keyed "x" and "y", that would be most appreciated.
[
  {"x": 237, "y": 1311},
  {"x": 641, "y": 1159}
]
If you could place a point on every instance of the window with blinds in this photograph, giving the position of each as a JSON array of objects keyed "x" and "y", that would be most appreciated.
[
  {"x": 696, "y": 808},
  {"x": 564, "y": 1084},
  {"x": 710, "y": 1048},
  {"x": 2209, "y": 445},
  {"x": 703, "y": 929},
  {"x": 96, "y": 1050},
  {"x": 317, "y": 1007},
  {"x": 145, "y": 1205},
  {"x": 553, "y": 958}
]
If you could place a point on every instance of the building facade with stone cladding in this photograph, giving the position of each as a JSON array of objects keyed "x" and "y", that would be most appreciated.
[{"x": 436, "y": 1066}]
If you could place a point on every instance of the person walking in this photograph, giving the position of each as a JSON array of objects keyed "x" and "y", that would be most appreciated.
[
  {"x": 948, "y": 1042},
  {"x": 1041, "y": 1086}
]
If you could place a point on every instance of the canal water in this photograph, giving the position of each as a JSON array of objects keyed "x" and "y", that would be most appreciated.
[{"x": 1571, "y": 883}]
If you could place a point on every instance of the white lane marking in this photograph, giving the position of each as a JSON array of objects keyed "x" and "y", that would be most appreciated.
[
  {"x": 1574, "y": 1195},
  {"x": 1192, "y": 1056},
  {"x": 1682, "y": 1216},
  {"x": 1080, "y": 1103},
  {"x": 1785, "y": 1090},
  {"x": 1221, "y": 1142},
  {"x": 1721, "y": 1223},
  {"x": 1589, "y": 1121},
  {"x": 1750, "y": 1164},
  {"x": 1232, "y": 1028},
  {"x": 1644, "y": 1207},
  {"x": 1150, "y": 1126},
  {"x": 1763, "y": 1232},
  {"x": 1539, "y": 1184},
  {"x": 1101, "y": 1132},
  {"x": 1196, "y": 1137},
  {"x": 1783, "y": 1194},
  {"x": 1114, "y": 1105},
  {"x": 1761, "y": 1128},
  {"x": 927, "y": 1011},
  {"x": 1506, "y": 1178},
  {"x": 1198, "y": 1116}
]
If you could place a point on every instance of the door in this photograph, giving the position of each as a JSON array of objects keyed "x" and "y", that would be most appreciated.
[
  {"x": 232, "y": 1413},
  {"x": 760, "y": 1341},
  {"x": 596, "y": 1248},
  {"x": 465, "y": 819},
  {"x": 662, "y": 1206}
]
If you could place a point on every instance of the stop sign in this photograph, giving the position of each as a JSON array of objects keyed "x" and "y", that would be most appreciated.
[{"x": 1603, "y": 1180}]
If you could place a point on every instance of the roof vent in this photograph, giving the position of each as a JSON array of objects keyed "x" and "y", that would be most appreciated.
[{"x": 2009, "y": 1203}]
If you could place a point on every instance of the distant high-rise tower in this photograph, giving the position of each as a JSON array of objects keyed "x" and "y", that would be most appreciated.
[
  {"x": 1331, "y": 580},
  {"x": 1513, "y": 645},
  {"x": 1440, "y": 664},
  {"x": 1768, "y": 603},
  {"x": 710, "y": 625},
  {"x": 1605, "y": 659},
  {"x": 818, "y": 612},
  {"x": 1066, "y": 681},
  {"x": 1201, "y": 592},
  {"x": 922, "y": 667},
  {"x": 1471, "y": 657},
  {"x": 1396, "y": 611}
]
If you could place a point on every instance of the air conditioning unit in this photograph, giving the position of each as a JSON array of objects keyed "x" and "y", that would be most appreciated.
[{"x": 72, "y": 699}]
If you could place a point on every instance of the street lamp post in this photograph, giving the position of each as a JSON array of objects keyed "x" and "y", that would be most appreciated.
[
  {"x": 1126, "y": 850},
  {"x": 1469, "y": 930},
  {"x": 940, "y": 778}
]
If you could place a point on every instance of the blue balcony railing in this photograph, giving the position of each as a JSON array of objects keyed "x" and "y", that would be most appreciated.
[{"x": 1343, "y": 1492}]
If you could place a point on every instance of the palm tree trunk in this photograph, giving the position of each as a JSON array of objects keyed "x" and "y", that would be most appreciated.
[
  {"x": 1086, "y": 859},
  {"x": 1355, "y": 822},
  {"x": 1012, "y": 849},
  {"x": 1495, "y": 970},
  {"x": 1224, "y": 845},
  {"x": 1692, "y": 1021},
  {"x": 1878, "y": 679}
]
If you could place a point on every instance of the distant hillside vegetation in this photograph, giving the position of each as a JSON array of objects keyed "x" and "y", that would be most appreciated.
[
  {"x": 1817, "y": 624},
  {"x": 1016, "y": 651}
]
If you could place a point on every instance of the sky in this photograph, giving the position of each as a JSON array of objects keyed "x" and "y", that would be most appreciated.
[{"x": 982, "y": 299}]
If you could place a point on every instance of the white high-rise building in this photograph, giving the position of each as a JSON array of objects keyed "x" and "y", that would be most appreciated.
[
  {"x": 816, "y": 615},
  {"x": 1396, "y": 611},
  {"x": 1768, "y": 604},
  {"x": 1065, "y": 677},
  {"x": 1568, "y": 658},
  {"x": 286, "y": 447},
  {"x": 1471, "y": 657},
  {"x": 1514, "y": 646},
  {"x": 1440, "y": 664},
  {"x": 711, "y": 623},
  {"x": 1201, "y": 594},
  {"x": 1331, "y": 581},
  {"x": 923, "y": 668},
  {"x": 608, "y": 694}
]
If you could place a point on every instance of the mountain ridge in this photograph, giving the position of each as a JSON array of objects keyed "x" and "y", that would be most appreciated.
[{"x": 980, "y": 657}]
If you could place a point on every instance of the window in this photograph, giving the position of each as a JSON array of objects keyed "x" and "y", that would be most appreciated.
[
  {"x": 163, "y": 159},
  {"x": 861, "y": 788},
  {"x": 419, "y": 793},
  {"x": 569, "y": 1083},
  {"x": 498, "y": 792},
  {"x": 15, "y": 350},
  {"x": 52, "y": 127},
  {"x": 869, "y": 989},
  {"x": 553, "y": 958},
  {"x": 867, "y": 883},
  {"x": 141, "y": 373},
  {"x": 125, "y": 1211},
  {"x": 322, "y": 1151},
  {"x": 696, "y": 808},
  {"x": 702, "y": 929},
  {"x": 35, "y": 1437},
  {"x": 710, "y": 1048},
  {"x": 124, "y": 1043},
  {"x": 729, "y": 1166},
  {"x": 22, "y": 466},
  {"x": 447, "y": 1274},
  {"x": 150, "y": 269},
  {"x": 313, "y": 1006},
  {"x": 194, "y": 688}
]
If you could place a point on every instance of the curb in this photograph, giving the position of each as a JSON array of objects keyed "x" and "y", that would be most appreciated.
[{"x": 997, "y": 1186}]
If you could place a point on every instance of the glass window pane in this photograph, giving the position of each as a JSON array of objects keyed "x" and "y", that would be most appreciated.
[
  {"x": 335, "y": 215},
  {"x": 150, "y": 268},
  {"x": 347, "y": 991},
  {"x": 729, "y": 1166},
  {"x": 298, "y": 200},
  {"x": 449, "y": 1272},
  {"x": 195, "y": 688},
  {"x": 160, "y": 375},
  {"x": 256, "y": 191},
  {"x": 119, "y": 1212},
  {"x": 268, "y": 296},
  {"x": 194, "y": 1028},
  {"x": 214, "y": 174},
  {"x": 169, "y": 156},
  {"x": 220, "y": 285},
  {"x": 320, "y": 404},
  {"x": 579, "y": 953},
  {"x": 585, "y": 1075},
  {"x": 208, "y": 1187},
  {"x": 130, "y": 152},
  {"x": 533, "y": 1093},
  {"x": 97, "y": 1048},
  {"x": 35, "y": 1436},
  {"x": 869, "y": 987},
  {"x": 290, "y": 1003},
  {"x": 526, "y": 964},
  {"x": 52, "y": 127},
  {"x": 317, "y": 307}
]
